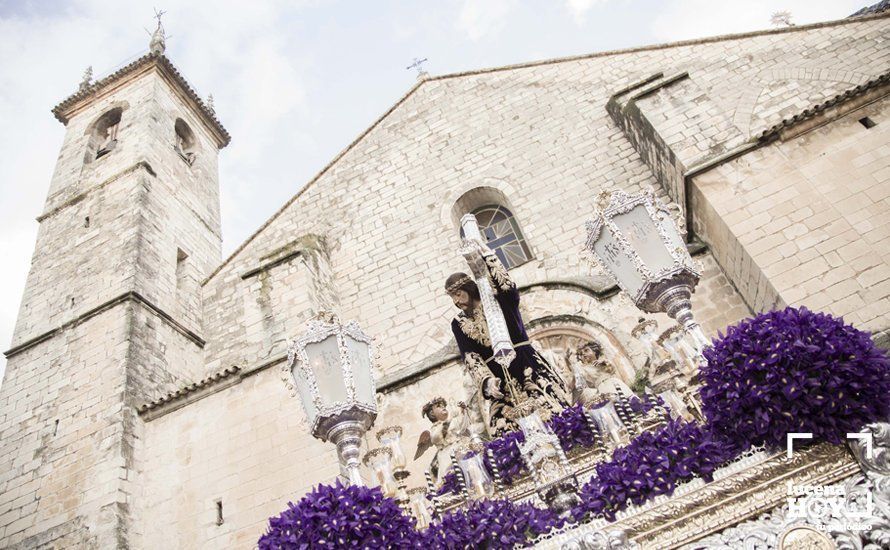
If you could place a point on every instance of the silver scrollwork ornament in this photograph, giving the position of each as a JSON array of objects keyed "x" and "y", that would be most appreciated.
[{"x": 857, "y": 518}]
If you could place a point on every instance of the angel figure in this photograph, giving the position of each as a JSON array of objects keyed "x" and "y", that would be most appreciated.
[
  {"x": 594, "y": 377},
  {"x": 443, "y": 434}
]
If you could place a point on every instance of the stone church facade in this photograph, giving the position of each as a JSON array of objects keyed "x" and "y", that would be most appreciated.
[{"x": 142, "y": 404}]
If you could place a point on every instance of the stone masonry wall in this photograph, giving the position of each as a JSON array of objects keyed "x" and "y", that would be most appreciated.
[
  {"x": 99, "y": 261},
  {"x": 248, "y": 447},
  {"x": 538, "y": 135},
  {"x": 110, "y": 318},
  {"x": 541, "y": 136},
  {"x": 813, "y": 215},
  {"x": 62, "y": 463}
]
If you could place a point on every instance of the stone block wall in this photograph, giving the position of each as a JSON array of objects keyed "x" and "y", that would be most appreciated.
[
  {"x": 247, "y": 445},
  {"x": 109, "y": 319},
  {"x": 806, "y": 221},
  {"x": 541, "y": 136},
  {"x": 64, "y": 468}
]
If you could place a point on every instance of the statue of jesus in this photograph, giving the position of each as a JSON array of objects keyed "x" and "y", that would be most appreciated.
[{"x": 531, "y": 375}]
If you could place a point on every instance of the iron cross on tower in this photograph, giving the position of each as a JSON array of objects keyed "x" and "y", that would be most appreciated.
[{"x": 417, "y": 65}]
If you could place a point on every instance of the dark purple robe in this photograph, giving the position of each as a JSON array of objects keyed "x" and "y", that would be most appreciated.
[{"x": 535, "y": 377}]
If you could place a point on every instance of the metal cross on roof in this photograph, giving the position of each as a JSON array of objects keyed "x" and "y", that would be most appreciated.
[
  {"x": 417, "y": 65},
  {"x": 158, "y": 42}
]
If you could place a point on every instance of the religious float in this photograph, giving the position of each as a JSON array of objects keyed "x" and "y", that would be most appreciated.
[{"x": 773, "y": 435}]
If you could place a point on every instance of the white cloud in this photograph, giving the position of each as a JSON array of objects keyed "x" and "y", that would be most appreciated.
[
  {"x": 684, "y": 19},
  {"x": 483, "y": 18},
  {"x": 579, "y": 9}
]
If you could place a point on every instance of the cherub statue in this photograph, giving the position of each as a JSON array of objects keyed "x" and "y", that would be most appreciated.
[
  {"x": 594, "y": 377},
  {"x": 443, "y": 434}
]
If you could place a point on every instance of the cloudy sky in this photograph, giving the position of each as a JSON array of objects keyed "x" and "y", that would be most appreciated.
[{"x": 295, "y": 81}]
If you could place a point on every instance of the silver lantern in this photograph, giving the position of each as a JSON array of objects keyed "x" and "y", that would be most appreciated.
[
  {"x": 638, "y": 242},
  {"x": 329, "y": 367}
]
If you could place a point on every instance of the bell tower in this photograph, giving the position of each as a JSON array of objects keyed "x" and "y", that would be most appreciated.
[{"x": 111, "y": 314}]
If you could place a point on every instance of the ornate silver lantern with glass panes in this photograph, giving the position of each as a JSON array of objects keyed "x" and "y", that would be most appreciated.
[
  {"x": 638, "y": 242},
  {"x": 329, "y": 366}
]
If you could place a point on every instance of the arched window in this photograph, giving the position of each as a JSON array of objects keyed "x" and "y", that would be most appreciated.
[
  {"x": 502, "y": 234},
  {"x": 103, "y": 134},
  {"x": 185, "y": 144}
]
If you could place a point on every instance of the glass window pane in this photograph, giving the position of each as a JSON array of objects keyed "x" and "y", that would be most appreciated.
[
  {"x": 642, "y": 234},
  {"x": 304, "y": 392},
  {"x": 614, "y": 259},
  {"x": 324, "y": 360},
  {"x": 502, "y": 235},
  {"x": 359, "y": 358}
]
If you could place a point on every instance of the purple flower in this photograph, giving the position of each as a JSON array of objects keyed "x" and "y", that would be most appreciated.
[
  {"x": 449, "y": 484},
  {"x": 570, "y": 426},
  {"x": 490, "y": 524},
  {"x": 793, "y": 371},
  {"x": 339, "y": 516},
  {"x": 573, "y": 429},
  {"x": 652, "y": 464}
]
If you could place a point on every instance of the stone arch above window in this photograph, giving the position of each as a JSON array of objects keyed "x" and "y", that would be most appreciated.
[
  {"x": 185, "y": 144},
  {"x": 499, "y": 226},
  {"x": 103, "y": 134}
]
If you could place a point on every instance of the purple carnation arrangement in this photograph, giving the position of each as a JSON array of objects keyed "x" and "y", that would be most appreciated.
[
  {"x": 652, "y": 464},
  {"x": 570, "y": 426},
  {"x": 339, "y": 516},
  {"x": 573, "y": 429},
  {"x": 794, "y": 371},
  {"x": 449, "y": 484},
  {"x": 491, "y": 524},
  {"x": 506, "y": 455}
]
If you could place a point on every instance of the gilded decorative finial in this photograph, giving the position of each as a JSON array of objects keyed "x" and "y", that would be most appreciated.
[
  {"x": 158, "y": 42},
  {"x": 87, "y": 79}
]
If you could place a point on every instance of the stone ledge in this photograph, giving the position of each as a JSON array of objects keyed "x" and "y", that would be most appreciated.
[
  {"x": 191, "y": 393},
  {"x": 122, "y": 298},
  {"x": 80, "y": 196}
]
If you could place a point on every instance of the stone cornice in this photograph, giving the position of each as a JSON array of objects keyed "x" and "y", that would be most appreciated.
[
  {"x": 79, "y": 100},
  {"x": 852, "y": 98},
  {"x": 188, "y": 394},
  {"x": 131, "y": 296}
]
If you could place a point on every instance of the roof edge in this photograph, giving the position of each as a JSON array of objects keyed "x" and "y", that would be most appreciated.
[
  {"x": 666, "y": 45},
  {"x": 776, "y": 130},
  {"x": 707, "y": 40},
  {"x": 63, "y": 110},
  {"x": 314, "y": 178}
]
